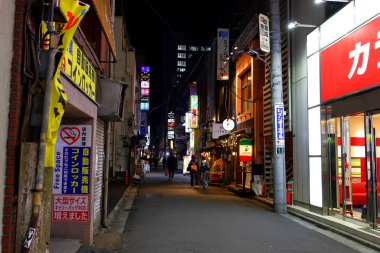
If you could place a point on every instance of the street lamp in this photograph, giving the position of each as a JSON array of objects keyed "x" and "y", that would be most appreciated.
[
  {"x": 324, "y": 1},
  {"x": 295, "y": 24}
]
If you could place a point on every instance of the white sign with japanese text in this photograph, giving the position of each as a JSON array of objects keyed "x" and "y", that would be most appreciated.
[
  {"x": 218, "y": 130},
  {"x": 264, "y": 33},
  {"x": 223, "y": 47},
  {"x": 72, "y": 174}
]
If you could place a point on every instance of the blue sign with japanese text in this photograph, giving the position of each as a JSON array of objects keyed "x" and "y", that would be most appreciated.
[
  {"x": 76, "y": 170},
  {"x": 280, "y": 133}
]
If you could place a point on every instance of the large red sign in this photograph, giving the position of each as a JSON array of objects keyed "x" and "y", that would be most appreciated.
[{"x": 351, "y": 64}]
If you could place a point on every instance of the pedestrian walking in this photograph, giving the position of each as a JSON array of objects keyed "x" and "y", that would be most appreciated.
[
  {"x": 205, "y": 170},
  {"x": 193, "y": 167},
  {"x": 164, "y": 163},
  {"x": 172, "y": 164}
]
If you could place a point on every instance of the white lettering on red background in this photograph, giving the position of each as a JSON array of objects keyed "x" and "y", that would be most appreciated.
[{"x": 352, "y": 64}]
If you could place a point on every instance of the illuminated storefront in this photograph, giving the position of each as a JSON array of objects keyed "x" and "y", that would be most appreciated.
[{"x": 344, "y": 114}]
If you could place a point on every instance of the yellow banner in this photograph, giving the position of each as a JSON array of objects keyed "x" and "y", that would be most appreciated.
[{"x": 74, "y": 12}]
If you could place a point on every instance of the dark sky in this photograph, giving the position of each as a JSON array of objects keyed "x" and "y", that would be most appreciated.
[{"x": 147, "y": 20}]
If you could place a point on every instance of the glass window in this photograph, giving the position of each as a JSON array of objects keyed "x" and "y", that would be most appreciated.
[
  {"x": 193, "y": 48},
  {"x": 181, "y": 63},
  {"x": 246, "y": 94},
  {"x": 181, "y": 55},
  {"x": 181, "y": 47},
  {"x": 205, "y": 49}
]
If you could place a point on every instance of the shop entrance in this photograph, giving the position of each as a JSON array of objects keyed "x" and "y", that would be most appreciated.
[{"x": 353, "y": 165}]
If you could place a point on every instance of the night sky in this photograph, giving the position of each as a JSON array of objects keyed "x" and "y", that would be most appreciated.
[{"x": 147, "y": 20}]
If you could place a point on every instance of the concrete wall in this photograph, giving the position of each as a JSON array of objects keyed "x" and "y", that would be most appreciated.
[
  {"x": 305, "y": 12},
  {"x": 7, "y": 11}
]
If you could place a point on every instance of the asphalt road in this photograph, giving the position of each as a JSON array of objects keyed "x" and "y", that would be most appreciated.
[{"x": 171, "y": 217}]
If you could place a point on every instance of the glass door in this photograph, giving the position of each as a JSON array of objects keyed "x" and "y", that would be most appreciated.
[{"x": 372, "y": 121}]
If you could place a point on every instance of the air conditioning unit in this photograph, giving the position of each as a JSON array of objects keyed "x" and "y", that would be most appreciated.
[{"x": 111, "y": 99}]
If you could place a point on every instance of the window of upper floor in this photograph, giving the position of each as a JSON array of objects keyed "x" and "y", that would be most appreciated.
[
  {"x": 181, "y": 55},
  {"x": 181, "y": 63},
  {"x": 246, "y": 91},
  {"x": 193, "y": 48},
  {"x": 181, "y": 47}
]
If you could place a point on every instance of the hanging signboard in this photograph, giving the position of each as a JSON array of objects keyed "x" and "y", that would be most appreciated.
[
  {"x": 245, "y": 150},
  {"x": 222, "y": 67},
  {"x": 218, "y": 130},
  {"x": 194, "y": 111},
  {"x": 72, "y": 173},
  {"x": 264, "y": 33},
  {"x": 279, "y": 128}
]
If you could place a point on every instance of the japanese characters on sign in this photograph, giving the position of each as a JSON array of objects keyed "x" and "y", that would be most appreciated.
[
  {"x": 73, "y": 11},
  {"x": 223, "y": 47},
  {"x": 279, "y": 125},
  {"x": 145, "y": 85},
  {"x": 194, "y": 111},
  {"x": 218, "y": 130},
  {"x": 171, "y": 125},
  {"x": 352, "y": 64},
  {"x": 264, "y": 33},
  {"x": 70, "y": 207},
  {"x": 72, "y": 173},
  {"x": 79, "y": 69}
]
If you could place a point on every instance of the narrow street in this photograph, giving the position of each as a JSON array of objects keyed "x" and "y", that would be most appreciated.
[{"x": 171, "y": 217}]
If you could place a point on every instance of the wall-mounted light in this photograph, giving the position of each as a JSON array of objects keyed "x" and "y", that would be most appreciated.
[
  {"x": 295, "y": 24},
  {"x": 233, "y": 153},
  {"x": 324, "y": 1}
]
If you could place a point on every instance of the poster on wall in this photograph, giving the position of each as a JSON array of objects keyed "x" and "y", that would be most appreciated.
[{"x": 72, "y": 174}]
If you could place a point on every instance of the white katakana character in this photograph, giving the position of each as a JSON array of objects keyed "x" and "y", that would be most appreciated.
[
  {"x": 359, "y": 50},
  {"x": 377, "y": 46}
]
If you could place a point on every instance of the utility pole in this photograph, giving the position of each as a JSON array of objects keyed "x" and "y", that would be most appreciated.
[
  {"x": 278, "y": 156},
  {"x": 39, "y": 225}
]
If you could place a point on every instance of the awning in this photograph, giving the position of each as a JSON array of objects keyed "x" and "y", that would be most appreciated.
[{"x": 103, "y": 11}]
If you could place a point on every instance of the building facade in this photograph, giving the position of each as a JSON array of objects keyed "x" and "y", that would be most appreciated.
[{"x": 339, "y": 160}]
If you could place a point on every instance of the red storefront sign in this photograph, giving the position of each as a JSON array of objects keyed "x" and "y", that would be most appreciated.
[{"x": 351, "y": 64}]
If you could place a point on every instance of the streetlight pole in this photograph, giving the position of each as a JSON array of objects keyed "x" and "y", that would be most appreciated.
[{"x": 278, "y": 156}]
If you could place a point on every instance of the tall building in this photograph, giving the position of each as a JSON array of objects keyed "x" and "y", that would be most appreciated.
[{"x": 181, "y": 67}]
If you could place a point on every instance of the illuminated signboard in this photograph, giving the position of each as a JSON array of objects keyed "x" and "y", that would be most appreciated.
[
  {"x": 144, "y": 84},
  {"x": 77, "y": 66},
  {"x": 351, "y": 65},
  {"x": 171, "y": 125},
  {"x": 194, "y": 111},
  {"x": 145, "y": 99},
  {"x": 245, "y": 150},
  {"x": 222, "y": 68},
  {"x": 144, "y": 106},
  {"x": 144, "y": 92},
  {"x": 145, "y": 69},
  {"x": 187, "y": 122}
]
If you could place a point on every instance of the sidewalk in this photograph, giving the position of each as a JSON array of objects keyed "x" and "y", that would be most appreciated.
[
  {"x": 107, "y": 240},
  {"x": 360, "y": 234}
]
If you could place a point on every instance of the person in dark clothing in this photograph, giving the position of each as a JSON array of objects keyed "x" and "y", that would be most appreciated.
[
  {"x": 205, "y": 170},
  {"x": 193, "y": 167},
  {"x": 172, "y": 164},
  {"x": 164, "y": 163}
]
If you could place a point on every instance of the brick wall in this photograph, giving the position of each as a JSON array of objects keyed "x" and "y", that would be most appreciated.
[{"x": 11, "y": 175}]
